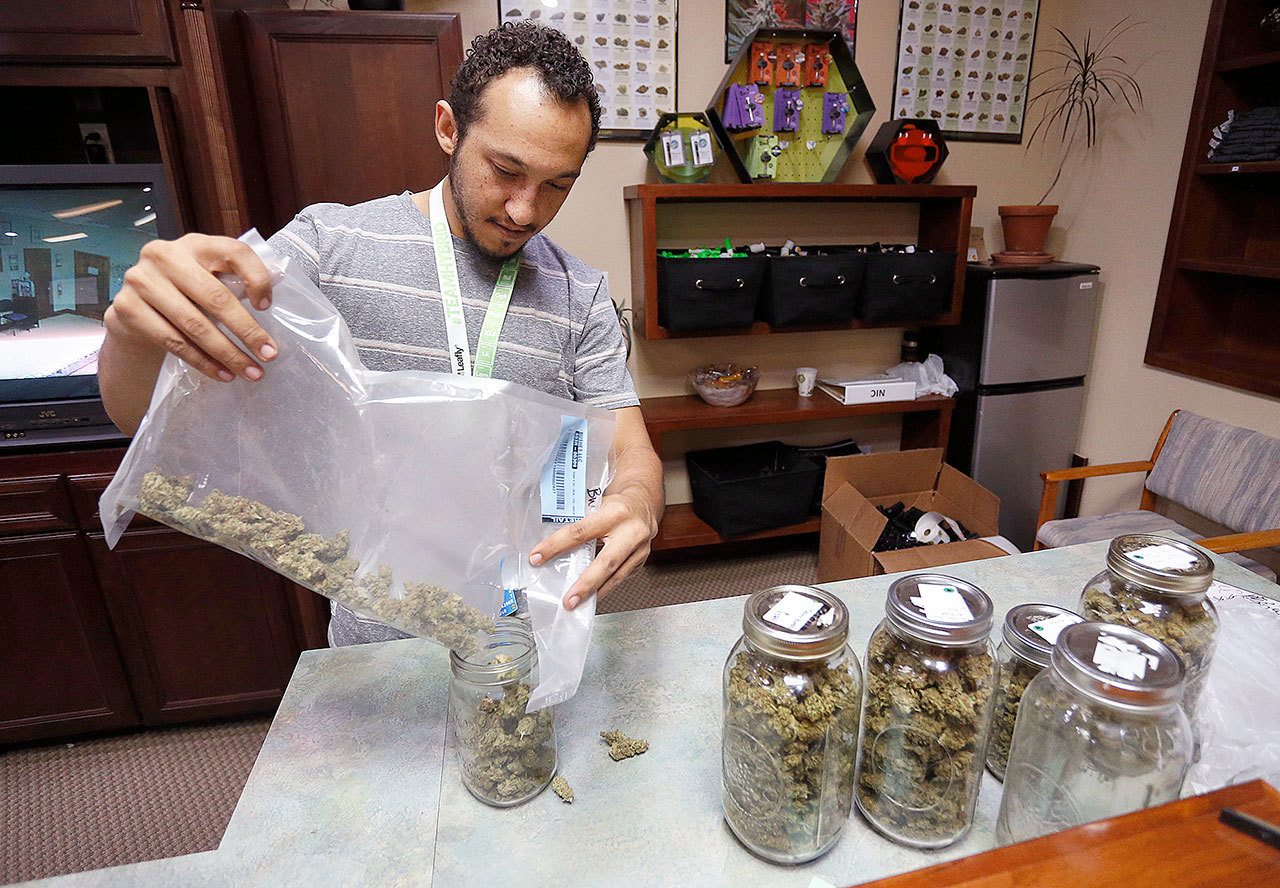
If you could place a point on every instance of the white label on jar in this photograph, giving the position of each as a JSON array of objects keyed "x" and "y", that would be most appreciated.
[
  {"x": 1049, "y": 629},
  {"x": 1117, "y": 657},
  {"x": 1163, "y": 557},
  {"x": 942, "y": 603},
  {"x": 793, "y": 611}
]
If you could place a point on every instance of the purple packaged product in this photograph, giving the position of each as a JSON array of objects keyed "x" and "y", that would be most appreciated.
[
  {"x": 786, "y": 110},
  {"x": 753, "y": 106},
  {"x": 835, "y": 108},
  {"x": 732, "y": 108}
]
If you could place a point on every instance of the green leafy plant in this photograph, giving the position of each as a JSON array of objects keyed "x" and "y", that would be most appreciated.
[{"x": 1089, "y": 74}]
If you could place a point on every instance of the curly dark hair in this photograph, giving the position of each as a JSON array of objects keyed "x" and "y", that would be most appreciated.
[{"x": 524, "y": 44}]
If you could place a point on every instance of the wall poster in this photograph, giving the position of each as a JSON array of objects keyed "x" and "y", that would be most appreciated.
[
  {"x": 741, "y": 17},
  {"x": 967, "y": 65},
  {"x": 631, "y": 46}
]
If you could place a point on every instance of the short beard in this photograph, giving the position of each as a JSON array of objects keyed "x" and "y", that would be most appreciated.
[{"x": 458, "y": 188}]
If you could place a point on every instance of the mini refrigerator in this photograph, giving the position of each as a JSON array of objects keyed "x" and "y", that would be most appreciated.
[{"x": 1019, "y": 356}]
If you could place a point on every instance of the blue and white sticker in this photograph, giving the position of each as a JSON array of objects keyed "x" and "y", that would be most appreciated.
[{"x": 564, "y": 477}]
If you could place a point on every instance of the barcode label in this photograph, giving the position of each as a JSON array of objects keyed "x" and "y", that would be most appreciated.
[{"x": 564, "y": 476}]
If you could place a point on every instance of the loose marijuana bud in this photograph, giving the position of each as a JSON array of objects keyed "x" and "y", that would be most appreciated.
[
  {"x": 507, "y": 754},
  {"x": 922, "y": 738},
  {"x": 790, "y": 742},
  {"x": 561, "y": 787},
  {"x": 1186, "y": 626},
  {"x": 280, "y": 540},
  {"x": 1014, "y": 679},
  {"x": 622, "y": 747}
]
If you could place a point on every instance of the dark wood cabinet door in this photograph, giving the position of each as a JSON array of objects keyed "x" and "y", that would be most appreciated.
[
  {"x": 61, "y": 673},
  {"x": 204, "y": 632},
  {"x": 346, "y": 102},
  {"x": 126, "y": 31}
]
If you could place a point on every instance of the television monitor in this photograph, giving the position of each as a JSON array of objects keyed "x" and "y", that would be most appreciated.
[{"x": 68, "y": 233}]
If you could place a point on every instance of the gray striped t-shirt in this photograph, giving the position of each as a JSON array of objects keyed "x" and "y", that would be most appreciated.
[{"x": 375, "y": 262}]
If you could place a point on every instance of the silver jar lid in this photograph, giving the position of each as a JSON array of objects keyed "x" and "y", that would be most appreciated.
[
  {"x": 1119, "y": 666},
  {"x": 508, "y": 654},
  {"x": 1032, "y": 629},
  {"x": 1160, "y": 563},
  {"x": 940, "y": 609},
  {"x": 795, "y": 622}
]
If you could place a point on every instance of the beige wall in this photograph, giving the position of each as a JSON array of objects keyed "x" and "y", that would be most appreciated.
[{"x": 1115, "y": 212}]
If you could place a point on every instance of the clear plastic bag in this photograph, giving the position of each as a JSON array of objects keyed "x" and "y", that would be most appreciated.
[
  {"x": 411, "y": 497},
  {"x": 929, "y": 376},
  {"x": 1238, "y": 717}
]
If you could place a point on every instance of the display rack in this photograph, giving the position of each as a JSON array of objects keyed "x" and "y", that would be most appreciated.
[
  {"x": 926, "y": 422},
  {"x": 1217, "y": 311},
  {"x": 944, "y": 215}
]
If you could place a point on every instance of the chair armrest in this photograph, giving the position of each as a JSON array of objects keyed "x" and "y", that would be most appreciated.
[
  {"x": 1079, "y": 472},
  {"x": 1237, "y": 542}
]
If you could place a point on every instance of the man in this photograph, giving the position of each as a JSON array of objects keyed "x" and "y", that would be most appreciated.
[{"x": 522, "y": 116}]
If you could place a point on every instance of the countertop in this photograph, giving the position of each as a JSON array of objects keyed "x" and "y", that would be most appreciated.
[{"x": 357, "y": 782}]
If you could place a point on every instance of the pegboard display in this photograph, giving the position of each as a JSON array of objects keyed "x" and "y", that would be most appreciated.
[{"x": 791, "y": 107}]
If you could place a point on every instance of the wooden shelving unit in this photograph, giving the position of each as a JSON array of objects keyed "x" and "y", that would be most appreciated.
[
  {"x": 1217, "y": 312},
  {"x": 945, "y": 213},
  {"x": 926, "y": 422}
]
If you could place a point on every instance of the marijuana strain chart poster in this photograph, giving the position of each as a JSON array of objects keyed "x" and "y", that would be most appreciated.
[{"x": 966, "y": 65}]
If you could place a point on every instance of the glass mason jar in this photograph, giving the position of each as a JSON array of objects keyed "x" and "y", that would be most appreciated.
[
  {"x": 1030, "y": 631},
  {"x": 1160, "y": 587},
  {"x": 792, "y": 690},
  {"x": 1100, "y": 733},
  {"x": 507, "y": 755},
  {"x": 926, "y": 713}
]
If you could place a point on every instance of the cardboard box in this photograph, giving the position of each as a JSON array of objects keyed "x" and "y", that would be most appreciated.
[{"x": 851, "y": 524}]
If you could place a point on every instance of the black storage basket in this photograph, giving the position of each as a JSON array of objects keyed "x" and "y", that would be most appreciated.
[
  {"x": 819, "y": 453},
  {"x": 741, "y": 490},
  {"x": 906, "y": 287},
  {"x": 812, "y": 290},
  {"x": 706, "y": 294}
]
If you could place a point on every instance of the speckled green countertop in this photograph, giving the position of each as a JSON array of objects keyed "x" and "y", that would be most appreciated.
[{"x": 357, "y": 783}]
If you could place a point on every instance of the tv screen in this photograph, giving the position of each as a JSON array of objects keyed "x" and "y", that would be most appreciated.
[{"x": 68, "y": 233}]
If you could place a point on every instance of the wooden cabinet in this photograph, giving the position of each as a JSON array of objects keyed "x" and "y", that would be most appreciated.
[
  {"x": 100, "y": 31},
  {"x": 1215, "y": 316},
  {"x": 162, "y": 629},
  {"x": 203, "y": 632},
  {"x": 62, "y": 673}
]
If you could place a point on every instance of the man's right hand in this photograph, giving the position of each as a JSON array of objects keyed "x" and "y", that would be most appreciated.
[{"x": 171, "y": 301}]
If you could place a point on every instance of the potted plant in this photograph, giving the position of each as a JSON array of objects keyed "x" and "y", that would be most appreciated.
[{"x": 1087, "y": 76}]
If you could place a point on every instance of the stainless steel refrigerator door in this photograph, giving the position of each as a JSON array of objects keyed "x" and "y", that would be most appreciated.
[
  {"x": 1038, "y": 329},
  {"x": 1018, "y": 436}
]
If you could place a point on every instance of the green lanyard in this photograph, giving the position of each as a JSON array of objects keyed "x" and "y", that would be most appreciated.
[{"x": 451, "y": 294}]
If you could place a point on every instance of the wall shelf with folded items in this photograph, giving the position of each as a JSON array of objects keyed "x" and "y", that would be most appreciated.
[{"x": 940, "y": 224}]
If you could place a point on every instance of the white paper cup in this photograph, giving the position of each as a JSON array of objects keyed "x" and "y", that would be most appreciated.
[{"x": 806, "y": 379}]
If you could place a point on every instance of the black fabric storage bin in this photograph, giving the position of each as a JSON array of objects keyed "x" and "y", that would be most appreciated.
[
  {"x": 741, "y": 490},
  {"x": 813, "y": 289},
  {"x": 705, "y": 294},
  {"x": 906, "y": 287},
  {"x": 819, "y": 453}
]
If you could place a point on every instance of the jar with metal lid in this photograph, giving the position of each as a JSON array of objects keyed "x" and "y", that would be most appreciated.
[
  {"x": 1099, "y": 733},
  {"x": 1029, "y": 633},
  {"x": 1160, "y": 586},
  {"x": 792, "y": 690},
  {"x": 507, "y": 754},
  {"x": 926, "y": 712}
]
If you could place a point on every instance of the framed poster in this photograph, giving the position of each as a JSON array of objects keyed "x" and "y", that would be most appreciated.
[
  {"x": 967, "y": 65},
  {"x": 631, "y": 47},
  {"x": 741, "y": 17}
]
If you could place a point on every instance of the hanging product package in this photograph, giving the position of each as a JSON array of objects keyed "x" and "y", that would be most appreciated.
[{"x": 411, "y": 497}]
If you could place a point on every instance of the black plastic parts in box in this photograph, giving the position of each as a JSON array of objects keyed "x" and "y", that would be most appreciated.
[
  {"x": 819, "y": 288},
  {"x": 906, "y": 287},
  {"x": 709, "y": 294},
  {"x": 740, "y": 490}
]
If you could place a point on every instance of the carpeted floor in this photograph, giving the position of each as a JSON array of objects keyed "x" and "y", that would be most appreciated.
[{"x": 69, "y": 807}]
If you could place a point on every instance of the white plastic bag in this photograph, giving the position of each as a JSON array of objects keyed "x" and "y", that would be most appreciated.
[
  {"x": 411, "y": 497},
  {"x": 1238, "y": 716},
  {"x": 928, "y": 376}
]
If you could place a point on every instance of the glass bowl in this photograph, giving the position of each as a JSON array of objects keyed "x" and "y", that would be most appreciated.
[{"x": 724, "y": 385}]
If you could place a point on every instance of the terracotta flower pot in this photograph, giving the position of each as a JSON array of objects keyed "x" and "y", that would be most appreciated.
[{"x": 1026, "y": 227}]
